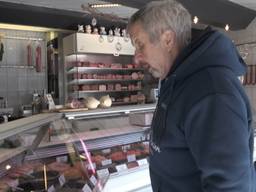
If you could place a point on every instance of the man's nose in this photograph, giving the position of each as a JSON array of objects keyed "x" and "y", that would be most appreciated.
[{"x": 138, "y": 58}]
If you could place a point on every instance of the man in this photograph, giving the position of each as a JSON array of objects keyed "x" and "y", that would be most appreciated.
[{"x": 201, "y": 140}]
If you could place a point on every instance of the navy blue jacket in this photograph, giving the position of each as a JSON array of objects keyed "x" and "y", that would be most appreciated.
[{"x": 201, "y": 135}]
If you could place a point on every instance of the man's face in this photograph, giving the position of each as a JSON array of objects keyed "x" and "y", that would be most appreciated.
[{"x": 152, "y": 55}]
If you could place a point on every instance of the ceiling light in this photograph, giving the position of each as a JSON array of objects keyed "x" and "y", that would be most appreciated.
[
  {"x": 105, "y": 5},
  {"x": 227, "y": 27},
  {"x": 195, "y": 20}
]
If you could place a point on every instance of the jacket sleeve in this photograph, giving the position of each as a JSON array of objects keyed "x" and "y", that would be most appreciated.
[{"x": 217, "y": 133}]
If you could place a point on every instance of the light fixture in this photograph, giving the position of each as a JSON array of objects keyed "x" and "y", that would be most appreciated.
[
  {"x": 105, "y": 5},
  {"x": 7, "y": 167},
  {"x": 195, "y": 20},
  {"x": 227, "y": 27}
]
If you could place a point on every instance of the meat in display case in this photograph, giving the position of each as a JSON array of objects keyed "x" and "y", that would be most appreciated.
[
  {"x": 52, "y": 152},
  {"x": 97, "y": 68}
]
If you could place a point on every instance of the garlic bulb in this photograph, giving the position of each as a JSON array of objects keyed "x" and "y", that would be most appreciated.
[
  {"x": 91, "y": 103},
  {"x": 105, "y": 101}
]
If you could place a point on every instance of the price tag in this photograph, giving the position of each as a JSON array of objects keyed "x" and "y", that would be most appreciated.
[
  {"x": 131, "y": 158},
  {"x": 86, "y": 188},
  {"x": 142, "y": 162},
  {"x": 126, "y": 147},
  {"x": 93, "y": 180},
  {"x": 62, "y": 180},
  {"x": 106, "y": 162},
  {"x": 106, "y": 151},
  {"x": 51, "y": 189},
  {"x": 102, "y": 173},
  {"x": 62, "y": 159},
  {"x": 121, "y": 167},
  {"x": 88, "y": 166}
]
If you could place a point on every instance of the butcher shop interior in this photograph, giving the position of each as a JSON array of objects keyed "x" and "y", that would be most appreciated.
[{"x": 75, "y": 108}]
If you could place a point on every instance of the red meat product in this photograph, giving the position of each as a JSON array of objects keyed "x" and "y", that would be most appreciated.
[
  {"x": 134, "y": 152},
  {"x": 94, "y": 76},
  {"x": 118, "y": 156},
  {"x": 95, "y": 87},
  {"x": 84, "y": 76},
  {"x": 85, "y": 64},
  {"x": 110, "y": 87},
  {"x": 131, "y": 87},
  {"x": 102, "y": 87},
  {"x": 132, "y": 164},
  {"x": 97, "y": 159},
  {"x": 138, "y": 85},
  {"x": 58, "y": 166},
  {"x": 79, "y": 64},
  {"x": 118, "y": 76},
  {"x": 73, "y": 104},
  {"x": 85, "y": 87},
  {"x": 76, "y": 76},
  {"x": 89, "y": 76},
  {"x": 118, "y": 87},
  {"x": 116, "y": 66},
  {"x": 135, "y": 76},
  {"x": 109, "y": 76},
  {"x": 101, "y": 65},
  {"x": 129, "y": 66},
  {"x": 29, "y": 55},
  {"x": 39, "y": 66},
  {"x": 127, "y": 76},
  {"x": 93, "y": 65},
  {"x": 126, "y": 99},
  {"x": 134, "y": 98}
]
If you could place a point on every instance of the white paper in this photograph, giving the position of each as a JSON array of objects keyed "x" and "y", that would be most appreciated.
[
  {"x": 142, "y": 162},
  {"x": 106, "y": 162},
  {"x": 86, "y": 188},
  {"x": 131, "y": 158},
  {"x": 93, "y": 180},
  {"x": 102, "y": 173},
  {"x": 62, "y": 180},
  {"x": 51, "y": 189},
  {"x": 121, "y": 167}
]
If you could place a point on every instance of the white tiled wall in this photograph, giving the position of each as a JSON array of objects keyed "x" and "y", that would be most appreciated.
[{"x": 18, "y": 84}]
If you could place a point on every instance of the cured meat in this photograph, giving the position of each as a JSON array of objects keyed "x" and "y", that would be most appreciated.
[
  {"x": 110, "y": 87},
  {"x": 29, "y": 55},
  {"x": 135, "y": 76},
  {"x": 85, "y": 87},
  {"x": 58, "y": 166},
  {"x": 102, "y": 87},
  {"x": 118, "y": 87},
  {"x": 39, "y": 66}
]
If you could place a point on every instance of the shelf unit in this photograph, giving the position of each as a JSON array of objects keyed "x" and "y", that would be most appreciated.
[{"x": 85, "y": 56}]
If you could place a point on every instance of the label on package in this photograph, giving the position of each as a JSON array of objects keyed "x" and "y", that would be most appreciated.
[
  {"x": 86, "y": 188},
  {"x": 106, "y": 162},
  {"x": 126, "y": 147},
  {"x": 102, "y": 173},
  {"x": 51, "y": 189},
  {"x": 142, "y": 162},
  {"x": 62, "y": 159},
  {"x": 131, "y": 158},
  {"x": 93, "y": 180},
  {"x": 106, "y": 151},
  {"x": 62, "y": 180},
  {"x": 89, "y": 166},
  {"x": 121, "y": 167}
]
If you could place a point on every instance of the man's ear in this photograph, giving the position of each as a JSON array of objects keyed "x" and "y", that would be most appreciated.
[{"x": 168, "y": 39}]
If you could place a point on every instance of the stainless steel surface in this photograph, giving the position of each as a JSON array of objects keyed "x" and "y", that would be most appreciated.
[
  {"x": 84, "y": 69},
  {"x": 85, "y": 81},
  {"x": 113, "y": 111}
]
